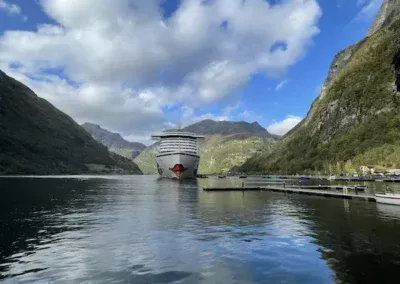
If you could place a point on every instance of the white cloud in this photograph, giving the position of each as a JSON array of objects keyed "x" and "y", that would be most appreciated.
[
  {"x": 284, "y": 126},
  {"x": 10, "y": 8},
  {"x": 121, "y": 63},
  {"x": 281, "y": 85},
  {"x": 369, "y": 9},
  {"x": 189, "y": 117}
]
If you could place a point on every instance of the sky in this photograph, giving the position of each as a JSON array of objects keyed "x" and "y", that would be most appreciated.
[{"x": 138, "y": 67}]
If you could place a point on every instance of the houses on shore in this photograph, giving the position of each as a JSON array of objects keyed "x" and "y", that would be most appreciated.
[{"x": 377, "y": 170}]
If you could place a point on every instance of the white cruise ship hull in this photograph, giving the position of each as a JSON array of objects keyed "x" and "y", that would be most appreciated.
[{"x": 178, "y": 165}]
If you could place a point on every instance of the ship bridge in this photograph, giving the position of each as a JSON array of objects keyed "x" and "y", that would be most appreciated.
[{"x": 177, "y": 141}]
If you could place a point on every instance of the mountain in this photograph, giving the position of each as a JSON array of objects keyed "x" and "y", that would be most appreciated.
[
  {"x": 211, "y": 127},
  {"x": 147, "y": 160},
  {"x": 221, "y": 154},
  {"x": 227, "y": 145},
  {"x": 37, "y": 138},
  {"x": 114, "y": 142},
  {"x": 387, "y": 15},
  {"x": 356, "y": 119}
]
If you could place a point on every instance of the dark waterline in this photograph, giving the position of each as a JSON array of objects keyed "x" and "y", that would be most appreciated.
[{"x": 149, "y": 230}]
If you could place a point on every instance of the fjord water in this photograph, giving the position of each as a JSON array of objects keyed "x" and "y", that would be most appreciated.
[{"x": 147, "y": 230}]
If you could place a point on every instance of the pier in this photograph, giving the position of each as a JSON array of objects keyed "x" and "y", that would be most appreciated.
[{"x": 311, "y": 190}]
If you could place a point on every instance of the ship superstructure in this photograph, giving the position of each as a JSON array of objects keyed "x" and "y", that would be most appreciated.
[{"x": 178, "y": 156}]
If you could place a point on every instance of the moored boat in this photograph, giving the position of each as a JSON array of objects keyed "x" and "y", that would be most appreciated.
[
  {"x": 388, "y": 198},
  {"x": 304, "y": 178}
]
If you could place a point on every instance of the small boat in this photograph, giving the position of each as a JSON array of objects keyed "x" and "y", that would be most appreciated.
[
  {"x": 221, "y": 176},
  {"x": 388, "y": 198},
  {"x": 304, "y": 178},
  {"x": 242, "y": 176},
  {"x": 202, "y": 176}
]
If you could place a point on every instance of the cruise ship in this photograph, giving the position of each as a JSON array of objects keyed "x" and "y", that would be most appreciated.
[{"x": 178, "y": 156}]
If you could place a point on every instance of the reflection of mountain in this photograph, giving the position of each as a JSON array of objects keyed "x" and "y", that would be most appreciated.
[
  {"x": 361, "y": 245},
  {"x": 253, "y": 208},
  {"x": 29, "y": 215},
  {"x": 388, "y": 211},
  {"x": 125, "y": 227},
  {"x": 358, "y": 241}
]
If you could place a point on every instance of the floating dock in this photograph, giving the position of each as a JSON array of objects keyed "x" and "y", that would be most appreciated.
[{"x": 318, "y": 192}]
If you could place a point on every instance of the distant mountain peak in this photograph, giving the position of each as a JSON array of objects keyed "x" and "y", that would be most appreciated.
[
  {"x": 113, "y": 140},
  {"x": 88, "y": 124},
  {"x": 212, "y": 127}
]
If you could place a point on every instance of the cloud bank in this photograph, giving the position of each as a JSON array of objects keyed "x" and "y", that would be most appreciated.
[{"x": 124, "y": 64}]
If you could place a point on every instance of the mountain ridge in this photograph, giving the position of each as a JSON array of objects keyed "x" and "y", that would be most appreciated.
[
  {"x": 114, "y": 141},
  {"x": 388, "y": 13},
  {"x": 212, "y": 127},
  {"x": 355, "y": 121},
  {"x": 37, "y": 138}
]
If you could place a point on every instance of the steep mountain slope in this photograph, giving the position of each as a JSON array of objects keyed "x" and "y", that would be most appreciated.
[
  {"x": 220, "y": 153},
  {"x": 227, "y": 145},
  {"x": 147, "y": 160},
  {"x": 356, "y": 120},
  {"x": 211, "y": 127},
  {"x": 114, "y": 142},
  {"x": 37, "y": 138}
]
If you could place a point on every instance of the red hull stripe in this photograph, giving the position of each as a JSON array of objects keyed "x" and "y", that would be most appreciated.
[{"x": 387, "y": 197}]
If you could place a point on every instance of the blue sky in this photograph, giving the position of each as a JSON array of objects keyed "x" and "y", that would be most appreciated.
[{"x": 137, "y": 68}]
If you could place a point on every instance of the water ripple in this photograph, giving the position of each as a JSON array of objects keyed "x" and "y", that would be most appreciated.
[{"x": 145, "y": 230}]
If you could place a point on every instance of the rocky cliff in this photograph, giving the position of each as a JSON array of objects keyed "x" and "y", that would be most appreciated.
[
  {"x": 355, "y": 121},
  {"x": 37, "y": 138},
  {"x": 114, "y": 142},
  {"x": 388, "y": 13}
]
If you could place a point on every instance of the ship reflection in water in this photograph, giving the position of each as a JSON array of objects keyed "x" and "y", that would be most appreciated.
[{"x": 151, "y": 230}]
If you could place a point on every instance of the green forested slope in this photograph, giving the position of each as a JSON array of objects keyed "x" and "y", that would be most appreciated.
[
  {"x": 356, "y": 119},
  {"x": 37, "y": 138}
]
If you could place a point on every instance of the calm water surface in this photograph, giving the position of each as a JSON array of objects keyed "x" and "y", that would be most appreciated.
[{"x": 149, "y": 230}]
